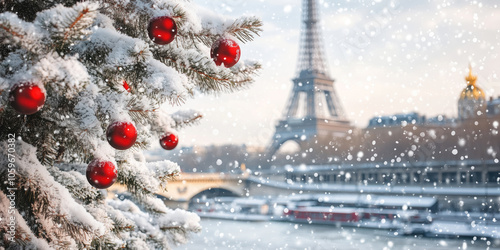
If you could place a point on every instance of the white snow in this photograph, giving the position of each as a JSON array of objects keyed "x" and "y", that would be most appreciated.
[
  {"x": 26, "y": 32},
  {"x": 20, "y": 225},
  {"x": 54, "y": 20},
  {"x": 66, "y": 75},
  {"x": 148, "y": 226},
  {"x": 61, "y": 201}
]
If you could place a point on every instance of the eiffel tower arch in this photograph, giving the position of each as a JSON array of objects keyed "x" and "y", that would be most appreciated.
[{"x": 313, "y": 110}]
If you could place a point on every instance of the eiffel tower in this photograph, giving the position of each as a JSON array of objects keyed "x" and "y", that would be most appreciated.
[{"x": 313, "y": 109}]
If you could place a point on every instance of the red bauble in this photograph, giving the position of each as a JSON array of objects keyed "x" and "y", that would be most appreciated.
[
  {"x": 27, "y": 98},
  {"x": 125, "y": 86},
  {"x": 121, "y": 135},
  {"x": 169, "y": 141},
  {"x": 101, "y": 174},
  {"x": 225, "y": 51},
  {"x": 162, "y": 30}
]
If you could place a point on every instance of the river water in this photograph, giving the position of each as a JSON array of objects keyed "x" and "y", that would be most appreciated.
[{"x": 225, "y": 234}]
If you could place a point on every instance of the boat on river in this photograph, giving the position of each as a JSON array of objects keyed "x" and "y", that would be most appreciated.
[
  {"x": 353, "y": 217},
  {"x": 230, "y": 208}
]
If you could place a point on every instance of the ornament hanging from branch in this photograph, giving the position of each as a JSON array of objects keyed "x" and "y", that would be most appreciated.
[
  {"x": 162, "y": 30},
  {"x": 225, "y": 51},
  {"x": 126, "y": 86},
  {"x": 101, "y": 174},
  {"x": 169, "y": 141},
  {"x": 121, "y": 135},
  {"x": 27, "y": 98}
]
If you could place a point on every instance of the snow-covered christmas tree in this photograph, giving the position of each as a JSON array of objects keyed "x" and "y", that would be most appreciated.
[{"x": 85, "y": 87}]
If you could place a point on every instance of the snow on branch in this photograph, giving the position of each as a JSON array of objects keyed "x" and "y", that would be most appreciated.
[
  {"x": 244, "y": 72},
  {"x": 18, "y": 32},
  {"x": 23, "y": 236},
  {"x": 64, "y": 75},
  {"x": 48, "y": 200},
  {"x": 169, "y": 226},
  {"x": 163, "y": 171},
  {"x": 204, "y": 73},
  {"x": 180, "y": 221},
  {"x": 244, "y": 29},
  {"x": 165, "y": 83},
  {"x": 137, "y": 177},
  {"x": 76, "y": 182},
  {"x": 68, "y": 24},
  {"x": 146, "y": 178},
  {"x": 145, "y": 229},
  {"x": 123, "y": 231},
  {"x": 194, "y": 22},
  {"x": 185, "y": 118},
  {"x": 117, "y": 56}
]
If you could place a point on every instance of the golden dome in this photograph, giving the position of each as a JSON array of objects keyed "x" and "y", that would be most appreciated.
[{"x": 472, "y": 91}]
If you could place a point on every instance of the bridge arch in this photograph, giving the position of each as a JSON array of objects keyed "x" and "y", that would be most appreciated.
[
  {"x": 212, "y": 188},
  {"x": 215, "y": 192},
  {"x": 209, "y": 194},
  {"x": 190, "y": 186}
]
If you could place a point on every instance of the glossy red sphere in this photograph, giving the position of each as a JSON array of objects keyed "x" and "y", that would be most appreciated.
[
  {"x": 125, "y": 86},
  {"x": 169, "y": 141},
  {"x": 225, "y": 51},
  {"x": 101, "y": 174},
  {"x": 162, "y": 30},
  {"x": 27, "y": 98},
  {"x": 121, "y": 135}
]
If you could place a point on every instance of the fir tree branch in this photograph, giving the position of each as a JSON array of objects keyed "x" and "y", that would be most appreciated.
[
  {"x": 188, "y": 122},
  {"x": 75, "y": 182},
  {"x": 244, "y": 29},
  {"x": 137, "y": 179},
  {"x": 37, "y": 202},
  {"x": 24, "y": 237},
  {"x": 203, "y": 72},
  {"x": 143, "y": 111},
  {"x": 12, "y": 32},
  {"x": 139, "y": 113},
  {"x": 44, "y": 138},
  {"x": 186, "y": 118},
  {"x": 71, "y": 27},
  {"x": 24, "y": 34}
]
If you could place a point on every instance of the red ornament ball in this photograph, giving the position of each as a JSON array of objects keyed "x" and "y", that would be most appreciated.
[
  {"x": 162, "y": 30},
  {"x": 121, "y": 135},
  {"x": 225, "y": 51},
  {"x": 125, "y": 86},
  {"x": 101, "y": 174},
  {"x": 27, "y": 98},
  {"x": 169, "y": 141}
]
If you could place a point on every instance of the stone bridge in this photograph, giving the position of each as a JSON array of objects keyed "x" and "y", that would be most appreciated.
[{"x": 191, "y": 185}]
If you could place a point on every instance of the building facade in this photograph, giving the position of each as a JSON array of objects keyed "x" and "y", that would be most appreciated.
[{"x": 472, "y": 101}]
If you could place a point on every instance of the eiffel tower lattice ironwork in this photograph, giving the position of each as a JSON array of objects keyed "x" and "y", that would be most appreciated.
[{"x": 313, "y": 109}]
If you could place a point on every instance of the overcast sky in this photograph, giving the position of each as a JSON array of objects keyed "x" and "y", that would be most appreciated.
[{"x": 386, "y": 57}]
